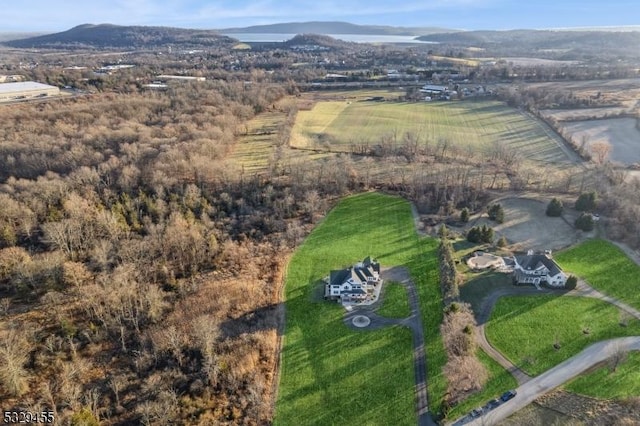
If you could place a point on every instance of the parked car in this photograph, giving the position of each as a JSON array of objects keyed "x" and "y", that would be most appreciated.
[
  {"x": 476, "y": 412},
  {"x": 508, "y": 395},
  {"x": 492, "y": 404}
]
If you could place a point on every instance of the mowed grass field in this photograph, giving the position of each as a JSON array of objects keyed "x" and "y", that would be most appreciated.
[
  {"x": 606, "y": 383},
  {"x": 525, "y": 328},
  {"x": 395, "y": 302},
  {"x": 605, "y": 267},
  {"x": 334, "y": 375},
  {"x": 476, "y": 124}
]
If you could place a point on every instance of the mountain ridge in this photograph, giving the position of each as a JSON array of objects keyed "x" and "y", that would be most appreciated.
[{"x": 117, "y": 36}]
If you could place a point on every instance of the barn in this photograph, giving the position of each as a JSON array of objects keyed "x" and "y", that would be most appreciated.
[{"x": 26, "y": 90}]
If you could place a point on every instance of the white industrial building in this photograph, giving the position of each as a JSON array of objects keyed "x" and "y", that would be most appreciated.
[
  {"x": 26, "y": 90},
  {"x": 180, "y": 77}
]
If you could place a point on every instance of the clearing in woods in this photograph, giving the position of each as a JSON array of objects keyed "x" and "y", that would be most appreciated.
[
  {"x": 476, "y": 124},
  {"x": 331, "y": 374}
]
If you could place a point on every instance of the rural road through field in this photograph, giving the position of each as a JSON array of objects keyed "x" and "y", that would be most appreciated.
[
  {"x": 538, "y": 386},
  {"x": 414, "y": 323},
  {"x": 532, "y": 388}
]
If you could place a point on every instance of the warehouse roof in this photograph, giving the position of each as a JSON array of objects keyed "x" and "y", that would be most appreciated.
[{"x": 23, "y": 86}]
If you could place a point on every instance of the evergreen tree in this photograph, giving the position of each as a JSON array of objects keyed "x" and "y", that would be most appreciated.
[
  {"x": 555, "y": 207},
  {"x": 473, "y": 235},
  {"x": 464, "y": 215},
  {"x": 585, "y": 222},
  {"x": 502, "y": 242},
  {"x": 496, "y": 213},
  {"x": 587, "y": 201},
  {"x": 571, "y": 283},
  {"x": 487, "y": 234}
]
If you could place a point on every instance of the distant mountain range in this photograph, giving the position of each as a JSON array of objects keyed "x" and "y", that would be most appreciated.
[
  {"x": 566, "y": 44},
  {"x": 121, "y": 37},
  {"x": 318, "y": 27},
  {"x": 528, "y": 42}
]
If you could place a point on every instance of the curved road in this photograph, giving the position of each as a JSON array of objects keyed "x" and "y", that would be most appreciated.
[
  {"x": 414, "y": 323},
  {"x": 531, "y": 388},
  {"x": 551, "y": 379}
]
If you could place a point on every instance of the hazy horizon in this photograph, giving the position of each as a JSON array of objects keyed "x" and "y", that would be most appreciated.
[{"x": 44, "y": 16}]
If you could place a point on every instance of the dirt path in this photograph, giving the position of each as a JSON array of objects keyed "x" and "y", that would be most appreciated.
[
  {"x": 414, "y": 323},
  {"x": 551, "y": 379}
]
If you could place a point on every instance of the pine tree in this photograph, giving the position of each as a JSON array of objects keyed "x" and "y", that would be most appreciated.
[
  {"x": 464, "y": 215},
  {"x": 555, "y": 207},
  {"x": 587, "y": 201},
  {"x": 496, "y": 213}
]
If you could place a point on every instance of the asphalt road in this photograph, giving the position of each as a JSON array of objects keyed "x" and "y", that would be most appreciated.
[{"x": 551, "y": 379}]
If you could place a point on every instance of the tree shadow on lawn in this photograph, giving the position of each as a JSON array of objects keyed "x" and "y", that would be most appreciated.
[
  {"x": 265, "y": 318},
  {"x": 349, "y": 379}
]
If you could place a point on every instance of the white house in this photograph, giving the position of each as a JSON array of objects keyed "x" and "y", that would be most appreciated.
[
  {"x": 353, "y": 283},
  {"x": 536, "y": 269}
]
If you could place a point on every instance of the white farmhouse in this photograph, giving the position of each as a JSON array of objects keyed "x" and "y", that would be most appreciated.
[
  {"x": 354, "y": 283},
  {"x": 536, "y": 269}
]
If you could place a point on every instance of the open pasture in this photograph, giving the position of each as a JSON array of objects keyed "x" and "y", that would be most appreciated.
[
  {"x": 478, "y": 125},
  {"x": 538, "y": 332},
  {"x": 605, "y": 267}
]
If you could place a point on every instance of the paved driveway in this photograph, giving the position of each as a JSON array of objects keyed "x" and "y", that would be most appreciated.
[{"x": 414, "y": 323}]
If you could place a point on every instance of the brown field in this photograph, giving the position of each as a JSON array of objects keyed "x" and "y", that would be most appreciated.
[
  {"x": 621, "y": 133},
  {"x": 584, "y": 113},
  {"x": 526, "y": 226},
  {"x": 624, "y": 92}
]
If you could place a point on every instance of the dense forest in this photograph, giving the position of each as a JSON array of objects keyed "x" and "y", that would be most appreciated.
[{"x": 138, "y": 274}]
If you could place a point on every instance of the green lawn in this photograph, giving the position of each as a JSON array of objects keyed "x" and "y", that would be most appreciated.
[
  {"x": 477, "y": 124},
  {"x": 603, "y": 383},
  {"x": 498, "y": 383},
  {"x": 606, "y": 268},
  {"x": 395, "y": 303},
  {"x": 331, "y": 374},
  {"x": 525, "y": 328},
  {"x": 475, "y": 289}
]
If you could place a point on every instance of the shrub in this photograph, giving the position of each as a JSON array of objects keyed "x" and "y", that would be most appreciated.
[
  {"x": 502, "y": 242},
  {"x": 571, "y": 283},
  {"x": 84, "y": 417},
  {"x": 555, "y": 207},
  {"x": 586, "y": 202},
  {"x": 585, "y": 222}
]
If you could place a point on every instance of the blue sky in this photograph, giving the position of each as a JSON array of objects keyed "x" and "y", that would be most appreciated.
[{"x": 50, "y": 15}]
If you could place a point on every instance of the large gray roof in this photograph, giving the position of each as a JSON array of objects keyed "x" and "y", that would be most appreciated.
[
  {"x": 533, "y": 262},
  {"x": 358, "y": 273},
  {"x": 23, "y": 86}
]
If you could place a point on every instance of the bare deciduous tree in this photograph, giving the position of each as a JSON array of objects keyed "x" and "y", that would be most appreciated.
[{"x": 14, "y": 353}]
